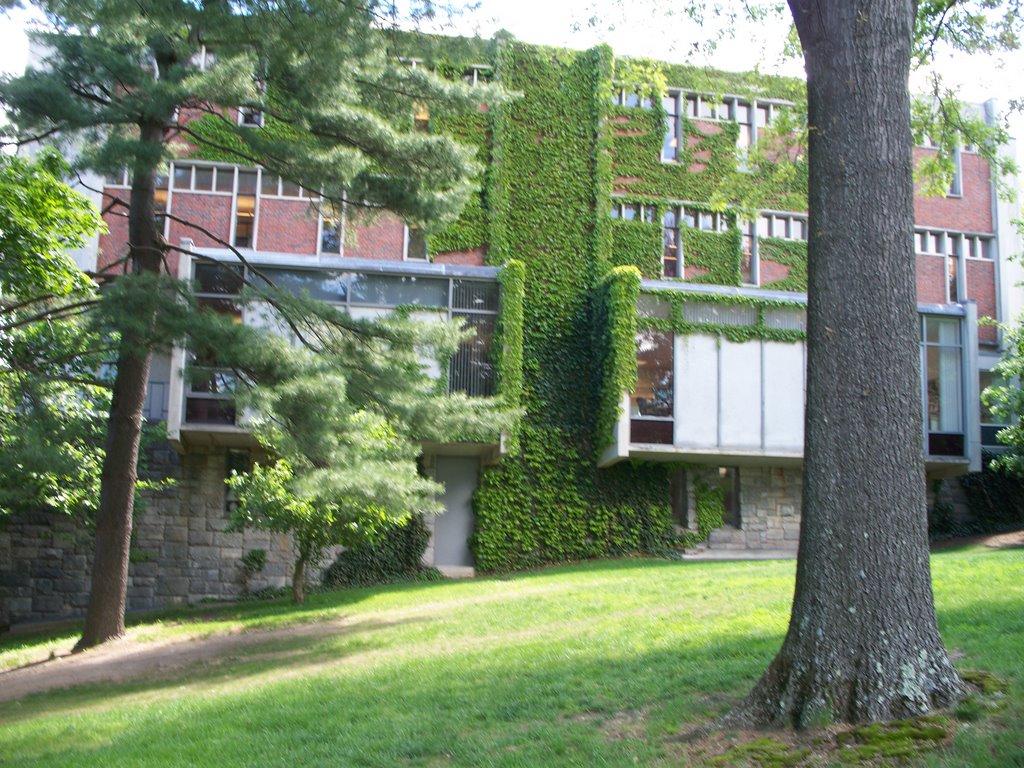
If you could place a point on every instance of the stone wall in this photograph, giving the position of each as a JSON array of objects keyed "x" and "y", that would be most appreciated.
[
  {"x": 770, "y": 499},
  {"x": 181, "y": 550}
]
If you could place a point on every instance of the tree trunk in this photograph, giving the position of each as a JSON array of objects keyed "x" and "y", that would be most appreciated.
[
  {"x": 862, "y": 644},
  {"x": 299, "y": 579},
  {"x": 104, "y": 618}
]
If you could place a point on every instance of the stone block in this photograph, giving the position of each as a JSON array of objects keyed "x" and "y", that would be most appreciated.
[
  {"x": 230, "y": 554},
  {"x": 200, "y": 538},
  {"x": 174, "y": 551},
  {"x": 172, "y": 586},
  {"x": 47, "y": 604},
  {"x": 19, "y": 606},
  {"x": 177, "y": 534}
]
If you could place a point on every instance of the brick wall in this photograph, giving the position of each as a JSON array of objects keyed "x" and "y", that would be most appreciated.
[
  {"x": 381, "y": 239},
  {"x": 211, "y": 211},
  {"x": 287, "y": 226},
  {"x": 971, "y": 212},
  {"x": 981, "y": 286},
  {"x": 473, "y": 258},
  {"x": 931, "y": 279}
]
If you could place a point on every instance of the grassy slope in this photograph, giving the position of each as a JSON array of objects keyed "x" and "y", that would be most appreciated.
[{"x": 596, "y": 664}]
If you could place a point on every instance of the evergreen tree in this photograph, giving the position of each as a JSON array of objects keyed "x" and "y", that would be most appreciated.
[{"x": 124, "y": 78}]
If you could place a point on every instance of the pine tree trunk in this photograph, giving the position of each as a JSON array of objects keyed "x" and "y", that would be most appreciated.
[
  {"x": 299, "y": 578},
  {"x": 104, "y": 618},
  {"x": 862, "y": 644}
]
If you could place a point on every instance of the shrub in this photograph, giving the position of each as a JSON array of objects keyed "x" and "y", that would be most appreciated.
[{"x": 394, "y": 556}]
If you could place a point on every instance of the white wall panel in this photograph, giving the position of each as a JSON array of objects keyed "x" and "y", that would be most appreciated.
[
  {"x": 696, "y": 402},
  {"x": 740, "y": 392},
  {"x": 784, "y": 396}
]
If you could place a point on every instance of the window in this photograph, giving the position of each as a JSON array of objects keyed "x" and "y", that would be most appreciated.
[
  {"x": 625, "y": 98},
  {"x": 751, "y": 117},
  {"x": 779, "y": 226},
  {"x": 633, "y": 212},
  {"x": 330, "y": 232},
  {"x": 250, "y": 118},
  {"x": 245, "y": 210},
  {"x": 421, "y": 117},
  {"x": 670, "y": 266},
  {"x": 209, "y": 396},
  {"x": 956, "y": 183},
  {"x": 672, "y": 240},
  {"x": 943, "y": 385},
  {"x": 415, "y": 244},
  {"x": 476, "y": 74},
  {"x": 651, "y": 404}
]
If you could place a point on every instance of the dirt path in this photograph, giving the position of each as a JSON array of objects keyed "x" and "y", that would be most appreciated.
[
  {"x": 1011, "y": 540},
  {"x": 131, "y": 659}
]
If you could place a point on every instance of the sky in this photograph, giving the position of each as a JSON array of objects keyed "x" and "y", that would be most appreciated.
[{"x": 656, "y": 29}]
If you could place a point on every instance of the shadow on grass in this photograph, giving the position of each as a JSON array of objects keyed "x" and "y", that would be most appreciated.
[{"x": 528, "y": 701}]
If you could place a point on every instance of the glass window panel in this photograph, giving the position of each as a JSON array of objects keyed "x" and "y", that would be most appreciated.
[
  {"x": 671, "y": 143},
  {"x": 268, "y": 183},
  {"x": 182, "y": 176},
  {"x": 204, "y": 179},
  {"x": 323, "y": 285},
  {"x": 392, "y": 290},
  {"x": 669, "y": 219},
  {"x": 330, "y": 236},
  {"x": 615, "y": 210},
  {"x": 691, "y": 105},
  {"x": 416, "y": 244},
  {"x": 648, "y": 213},
  {"x": 943, "y": 330},
  {"x": 708, "y": 109},
  {"x": 471, "y": 370},
  {"x": 652, "y": 306},
  {"x": 708, "y": 221},
  {"x": 988, "y": 379},
  {"x": 764, "y": 226},
  {"x": 290, "y": 189},
  {"x": 225, "y": 179},
  {"x": 630, "y": 212},
  {"x": 690, "y": 217},
  {"x": 478, "y": 295},
  {"x": 245, "y": 219},
  {"x": 742, "y": 113},
  {"x": 779, "y": 226},
  {"x": 247, "y": 182},
  {"x": 668, "y": 103},
  {"x": 944, "y": 390},
  {"x": 762, "y": 116},
  {"x": 786, "y": 319},
  {"x": 719, "y": 314},
  {"x": 632, "y": 100},
  {"x": 799, "y": 229},
  {"x": 654, "y": 387},
  {"x": 160, "y": 181},
  {"x": 216, "y": 278}
]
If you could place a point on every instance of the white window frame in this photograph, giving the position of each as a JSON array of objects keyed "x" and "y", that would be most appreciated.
[{"x": 405, "y": 246}]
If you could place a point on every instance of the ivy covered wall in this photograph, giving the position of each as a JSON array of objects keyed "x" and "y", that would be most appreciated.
[{"x": 548, "y": 502}]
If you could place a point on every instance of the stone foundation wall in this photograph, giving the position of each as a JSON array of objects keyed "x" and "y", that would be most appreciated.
[
  {"x": 770, "y": 499},
  {"x": 181, "y": 551}
]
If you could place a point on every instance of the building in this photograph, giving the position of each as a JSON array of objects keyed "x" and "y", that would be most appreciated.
[{"x": 665, "y": 406}]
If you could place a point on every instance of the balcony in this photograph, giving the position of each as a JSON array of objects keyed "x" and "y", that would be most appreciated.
[
  {"x": 721, "y": 380},
  {"x": 202, "y": 410}
]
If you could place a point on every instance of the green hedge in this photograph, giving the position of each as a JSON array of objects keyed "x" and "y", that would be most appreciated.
[{"x": 395, "y": 556}]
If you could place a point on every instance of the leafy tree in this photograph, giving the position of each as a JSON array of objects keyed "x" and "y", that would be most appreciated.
[
  {"x": 1006, "y": 401},
  {"x": 122, "y": 78},
  {"x": 51, "y": 402}
]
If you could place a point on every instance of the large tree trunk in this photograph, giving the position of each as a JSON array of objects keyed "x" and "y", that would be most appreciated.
[
  {"x": 104, "y": 618},
  {"x": 863, "y": 644}
]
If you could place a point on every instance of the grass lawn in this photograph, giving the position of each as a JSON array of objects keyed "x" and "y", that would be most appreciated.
[{"x": 599, "y": 664}]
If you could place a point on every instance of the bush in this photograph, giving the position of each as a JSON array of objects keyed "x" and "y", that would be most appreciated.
[
  {"x": 995, "y": 500},
  {"x": 395, "y": 556}
]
